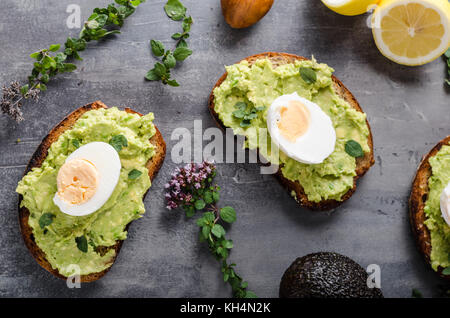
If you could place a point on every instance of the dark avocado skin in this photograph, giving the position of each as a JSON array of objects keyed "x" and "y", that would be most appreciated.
[{"x": 326, "y": 275}]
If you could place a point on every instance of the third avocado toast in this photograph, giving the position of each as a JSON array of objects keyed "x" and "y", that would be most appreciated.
[
  {"x": 429, "y": 226},
  {"x": 259, "y": 80}
]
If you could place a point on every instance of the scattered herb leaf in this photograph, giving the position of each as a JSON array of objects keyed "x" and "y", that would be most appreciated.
[
  {"x": 76, "y": 143},
  {"x": 118, "y": 142},
  {"x": 82, "y": 243},
  {"x": 134, "y": 174},
  {"x": 308, "y": 75},
  {"x": 354, "y": 149},
  {"x": 175, "y": 10},
  {"x": 46, "y": 219},
  {"x": 245, "y": 115}
]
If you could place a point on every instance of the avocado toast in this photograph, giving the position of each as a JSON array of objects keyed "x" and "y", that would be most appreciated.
[
  {"x": 152, "y": 165},
  {"x": 420, "y": 194},
  {"x": 362, "y": 164}
]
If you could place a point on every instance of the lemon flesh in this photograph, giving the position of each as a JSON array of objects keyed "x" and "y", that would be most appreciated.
[
  {"x": 412, "y": 32},
  {"x": 350, "y": 7}
]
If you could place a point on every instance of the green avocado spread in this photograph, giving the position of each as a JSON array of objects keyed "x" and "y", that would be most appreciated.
[
  {"x": 439, "y": 229},
  {"x": 107, "y": 225},
  {"x": 259, "y": 85}
]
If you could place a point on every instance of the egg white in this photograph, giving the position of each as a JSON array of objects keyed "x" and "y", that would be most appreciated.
[
  {"x": 107, "y": 161},
  {"x": 445, "y": 203},
  {"x": 316, "y": 144}
]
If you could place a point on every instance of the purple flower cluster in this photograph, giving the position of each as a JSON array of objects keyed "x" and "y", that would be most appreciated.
[{"x": 186, "y": 182}]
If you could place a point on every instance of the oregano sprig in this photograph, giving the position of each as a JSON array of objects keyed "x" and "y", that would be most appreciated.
[
  {"x": 192, "y": 189},
  {"x": 161, "y": 70},
  {"x": 52, "y": 61}
]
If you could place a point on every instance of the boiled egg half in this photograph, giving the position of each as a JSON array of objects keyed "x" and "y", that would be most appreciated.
[
  {"x": 445, "y": 204},
  {"x": 87, "y": 179},
  {"x": 301, "y": 129}
]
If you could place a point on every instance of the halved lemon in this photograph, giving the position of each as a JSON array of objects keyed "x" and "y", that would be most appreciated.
[
  {"x": 350, "y": 7},
  {"x": 412, "y": 32}
]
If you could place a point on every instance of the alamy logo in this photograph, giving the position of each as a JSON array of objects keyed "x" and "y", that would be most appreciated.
[
  {"x": 74, "y": 281},
  {"x": 74, "y": 19},
  {"x": 374, "y": 278}
]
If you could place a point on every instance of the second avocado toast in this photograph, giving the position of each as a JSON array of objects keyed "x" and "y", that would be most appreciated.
[
  {"x": 153, "y": 165},
  {"x": 362, "y": 163}
]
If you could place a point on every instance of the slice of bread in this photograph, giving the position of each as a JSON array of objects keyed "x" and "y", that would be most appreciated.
[
  {"x": 419, "y": 196},
  {"x": 153, "y": 166},
  {"x": 362, "y": 164}
]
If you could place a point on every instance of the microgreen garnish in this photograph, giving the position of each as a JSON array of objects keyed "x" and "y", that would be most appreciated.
[
  {"x": 82, "y": 243},
  {"x": 308, "y": 75},
  {"x": 51, "y": 62},
  {"x": 161, "y": 71},
  {"x": 446, "y": 271},
  {"x": 191, "y": 188},
  {"x": 447, "y": 57},
  {"x": 45, "y": 220},
  {"x": 134, "y": 174},
  {"x": 354, "y": 149},
  {"x": 246, "y": 115},
  {"x": 76, "y": 143},
  {"x": 118, "y": 142}
]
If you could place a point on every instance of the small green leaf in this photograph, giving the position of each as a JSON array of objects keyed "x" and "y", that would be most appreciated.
[
  {"x": 175, "y": 10},
  {"x": 69, "y": 67},
  {"x": 218, "y": 231},
  {"x": 170, "y": 61},
  {"x": 118, "y": 142},
  {"x": 173, "y": 83},
  {"x": 216, "y": 196},
  {"x": 181, "y": 53},
  {"x": 228, "y": 214},
  {"x": 54, "y": 47},
  {"x": 190, "y": 211},
  {"x": 157, "y": 48},
  {"x": 239, "y": 113},
  {"x": 354, "y": 149},
  {"x": 76, "y": 143},
  {"x": 82, "y": 243},
  {"x": 200, "y": 204},
  {"x": 245, "y": 123},
  {"x": 152, "y": 76},
  {"x": 446, "y": 271},
  {"x": 176, "y": 36},
  {"x": 24, "y": 89},
  {"x": 134, "y": 174},
  {"x": 250, "y": 294},
  {"x": 308, "y": 75},
  {"x": 208, "y": 197},
  {"x": 36, "y": 55},
  {"x": 182, "y": 43},
  {"x": 205, "y": 231},
  {"x": 187, "y": 22},
  {"x": 416, "y": 293},
  {"x": 46, "y": 219},
  {"x": 240, "y": 105},
  {"x": 228, "y": 244}
]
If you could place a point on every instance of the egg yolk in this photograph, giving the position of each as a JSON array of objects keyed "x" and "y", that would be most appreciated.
[
  {"x": 77, "y": 181},
  {"x": 294, "y": 120}
]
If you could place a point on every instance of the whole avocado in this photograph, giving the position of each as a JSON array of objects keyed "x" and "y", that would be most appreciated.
[{"x": 326, "y": 275}]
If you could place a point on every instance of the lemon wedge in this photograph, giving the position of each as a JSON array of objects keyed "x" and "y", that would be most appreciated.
[
  {"x": 412, "y": 32},
  {"x": 350, "y": 7}
]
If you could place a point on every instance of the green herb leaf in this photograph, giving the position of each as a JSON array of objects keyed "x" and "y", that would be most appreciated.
[
  {"x": 228, "y": 214},
  {"x": 175, "y": 10},
  {"x": 354, "y": 149},
  {"x": 82, "y": 243},
  {"x": 239, "y": 113},
  {"x": 46, "y": 219},
  {"x": 308, "y": 75},
  {"x": 134, "y": 174},
  {"x": 181, "y": 53},
  {"x": 240, "y": 105},
  {"x": 245, "y": 123},
  {"x": 182, "y": 43},
  {"x": 118, "y": 142},
  {"x": 158, "y": 48},
  {"x": 187, "y": 22},
  {"x": 216, "y": 196},
  {"x": 54, "y": 47},
  {"x": 208, "y": 197},
  {"x": 152, "y": 76},
  {"x": 446, "y": 271},
  {"x": 170, "y": 61},
  {"x": 416, "y": 293},
  {"x": 200, "y": 204},
  {"x": 173, "y": 83},
  {"x": 76, "y": 143},
  {"x": 218, "y": 231},
  {"x": 447, "y": 53}
]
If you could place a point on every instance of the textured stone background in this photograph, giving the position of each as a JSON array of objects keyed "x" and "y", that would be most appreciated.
[{"x": 407, "y": 108}]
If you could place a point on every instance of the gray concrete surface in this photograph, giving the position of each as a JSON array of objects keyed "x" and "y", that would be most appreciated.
[{"x": 407, "y": 108}]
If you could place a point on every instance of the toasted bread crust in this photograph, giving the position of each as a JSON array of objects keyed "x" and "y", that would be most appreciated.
[
  {"x": 153, "y": 165},
  {"x": 362, "y": 164},
  {"x": 417, "y": 200}
]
